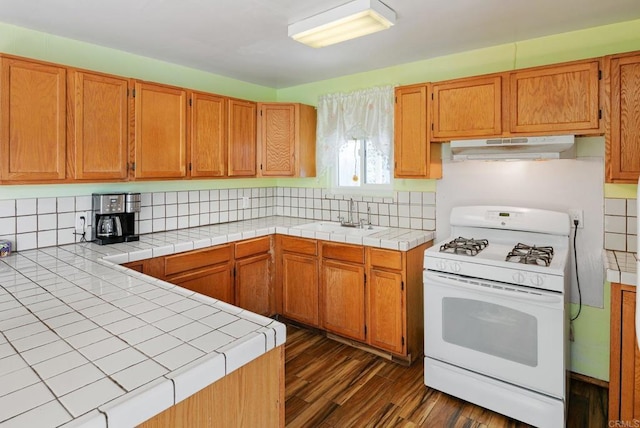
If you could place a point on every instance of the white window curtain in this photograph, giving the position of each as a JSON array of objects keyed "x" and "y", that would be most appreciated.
[{"x": 364, "y": 114}]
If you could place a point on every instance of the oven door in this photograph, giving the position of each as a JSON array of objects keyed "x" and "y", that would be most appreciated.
[{"x": 510, "y": 333}]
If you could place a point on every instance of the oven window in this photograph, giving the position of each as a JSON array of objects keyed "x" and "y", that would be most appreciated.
[{"x": 491, "y": 329}]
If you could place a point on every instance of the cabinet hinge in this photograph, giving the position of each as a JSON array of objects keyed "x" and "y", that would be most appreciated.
[
  {"x": 190, "y": 102},
  {"x": 234, "y": 272},
  {"x": 432, "y": 126},
  {"x": 190, "y": 166},
  {"x": 133, "y": 92},
  {"x": 402, "y": 340},
  {"x": 600, "y": 114},
  {"x": 260, "y": 112},
  {"x": 402, "y": 285},
  {"x": 431, "y": 96},
  {"x": 396, "y": 100},
  {"x": 365, "y": 330},
  {"x": 365, "y": 279},
  {"x": 127, "y": 92},
  {"x": 599, "y": 74},
  {"x": 260, "y": 167},
  {"x": 133, "y": 166}
]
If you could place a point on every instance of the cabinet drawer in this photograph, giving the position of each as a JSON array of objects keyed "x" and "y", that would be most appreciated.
[
  {"x": 253, "y": 246},
  {"x": 387, "y": 259},
  {"x": 344, "y": 252},
  {"x": 196, "y": 259},
  {"x": 299, "y": 245}
]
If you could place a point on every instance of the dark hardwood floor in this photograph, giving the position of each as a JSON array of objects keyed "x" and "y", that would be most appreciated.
[{"x": 330, "y": 384}]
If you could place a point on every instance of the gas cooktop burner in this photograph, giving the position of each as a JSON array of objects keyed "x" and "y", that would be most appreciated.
[
  {"x": 467, "y": 246},
  {"x": 532, "y": 255}
]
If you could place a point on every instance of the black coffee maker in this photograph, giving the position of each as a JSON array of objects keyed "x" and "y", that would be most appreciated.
[{"x": 114, "y": 217}]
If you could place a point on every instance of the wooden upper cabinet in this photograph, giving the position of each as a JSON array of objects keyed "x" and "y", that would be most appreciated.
[
  {"x": 561, "y": 98},
  {"x": 286, "y": 139},
  {"x": 623, "y": 133},
  {"x": 32, "y": 121},
  {"x": 98, "y": 126},
  {"x": 160, "y": 131},
  {"x": 414, "y": 154},
  {"x": 208, "y": 143},
  {"x": 241, "y": 137},
  {"x": 466, "y": 108}
]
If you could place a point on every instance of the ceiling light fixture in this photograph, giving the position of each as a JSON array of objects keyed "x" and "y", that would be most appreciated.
[{"x": 349, "y": 21}]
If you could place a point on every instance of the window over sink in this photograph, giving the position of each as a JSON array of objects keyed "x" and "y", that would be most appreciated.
[{"x": 355, "y": 141}]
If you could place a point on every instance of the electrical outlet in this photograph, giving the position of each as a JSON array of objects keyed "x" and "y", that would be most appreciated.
[
  {"x": 245, "y": 202},
  {"x": 576, "y": 214},
  {"x": 82, "y": 221}
]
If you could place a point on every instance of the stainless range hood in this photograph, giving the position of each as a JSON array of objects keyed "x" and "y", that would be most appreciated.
[{"x": 516, "y": 148}]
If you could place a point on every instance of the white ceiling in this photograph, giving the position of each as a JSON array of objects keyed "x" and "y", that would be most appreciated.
[{"x": 247, "y": 39}]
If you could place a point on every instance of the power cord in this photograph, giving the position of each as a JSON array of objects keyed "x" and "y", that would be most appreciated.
[
  {"x": 83, "y": 235},
  {"x": 575, "y": 259}
]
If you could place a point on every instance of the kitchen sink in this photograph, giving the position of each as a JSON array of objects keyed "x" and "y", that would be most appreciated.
[{"x": 334, "y": 227}]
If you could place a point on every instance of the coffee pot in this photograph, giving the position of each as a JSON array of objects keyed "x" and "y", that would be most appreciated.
[
  {"x": 109, "y": 226},
  {"x": 114, "y": 217}
]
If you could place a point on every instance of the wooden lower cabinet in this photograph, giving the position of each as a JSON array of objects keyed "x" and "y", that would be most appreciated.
[
  {"x": 251, "y": 396},
  {"x": 300, "y": 288},
  {"x": 624, "y": 371},
  {"x": 252, "y": 284},
  {"x": 343, "y": 298},
  {"x": 298, "y": 278},
  {"x": 215, "y": 282},
  {"x": 386, "y": 302},
  {"x": 253, "y": 273}
]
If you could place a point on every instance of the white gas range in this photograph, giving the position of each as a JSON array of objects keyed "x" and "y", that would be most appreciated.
[{"x": 496, "y": 311}]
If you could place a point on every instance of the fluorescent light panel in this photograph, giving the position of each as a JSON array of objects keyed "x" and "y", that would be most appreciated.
[{"x": 355, "y": 19}]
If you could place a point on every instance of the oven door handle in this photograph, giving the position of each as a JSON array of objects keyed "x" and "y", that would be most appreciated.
[{"x": 515, "y": 292}]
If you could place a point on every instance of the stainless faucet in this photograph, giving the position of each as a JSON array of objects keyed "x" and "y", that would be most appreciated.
[{"x": 350, "y": 221}]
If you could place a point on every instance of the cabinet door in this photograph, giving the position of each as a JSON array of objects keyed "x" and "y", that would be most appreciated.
[
  {"x": 208, "y": 136},
  {"x": 630, "y": 361},
  {"x": 555, "y": 99},
  {"x": 387, "y": 311},
  {"x": 160, "y": 131},
  {"x": 242, "y": 138},
  {"x": 216, "y": 282},
  {"x": 411, "y": 154},
  {"x": 276, "y": 129},
  {"x": 253, "y": 284},
  {"x": 623, "y": 160},
  {"x": 343, "y": 299},
  {"x": 467, "y": 108},
  {"x": 98, "y": 126},
  {"x": 300, "y": 288},
  {"x": 32, "y": 121}
]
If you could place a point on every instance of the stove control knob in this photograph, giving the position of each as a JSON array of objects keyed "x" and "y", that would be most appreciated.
[
  {"x": 518, "y": 277},
  {"x": 455, "y": 267},
  {"x": 441, "y": 265},
  {"x": 537, "y": 280}
]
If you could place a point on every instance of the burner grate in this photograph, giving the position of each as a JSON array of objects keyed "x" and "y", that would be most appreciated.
[
  {"x": 467, "y": 246},
  {"x": 532, "y": 255}
]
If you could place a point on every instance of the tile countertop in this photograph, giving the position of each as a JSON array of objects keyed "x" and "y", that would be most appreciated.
[
  {"x": 621, "y": 267},
  {"x": 84, "y": 340}
]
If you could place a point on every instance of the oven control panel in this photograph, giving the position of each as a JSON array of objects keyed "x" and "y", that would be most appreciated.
[{"x": 500, "y": 274}]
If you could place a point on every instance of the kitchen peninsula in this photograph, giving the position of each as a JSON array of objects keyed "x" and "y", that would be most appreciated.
[{"x": 88, "y": 342}]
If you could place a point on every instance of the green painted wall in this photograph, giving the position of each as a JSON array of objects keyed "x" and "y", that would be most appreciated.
[{"x": 590, "y": 351}]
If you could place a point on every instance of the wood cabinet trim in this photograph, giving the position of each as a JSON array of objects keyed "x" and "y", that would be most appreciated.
[
  {"x": 299, "y": 245},
  {"x": 252, "y": 246},
  {"x": 197, "y": 259},
  {"x": 343, "y": 252}
]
